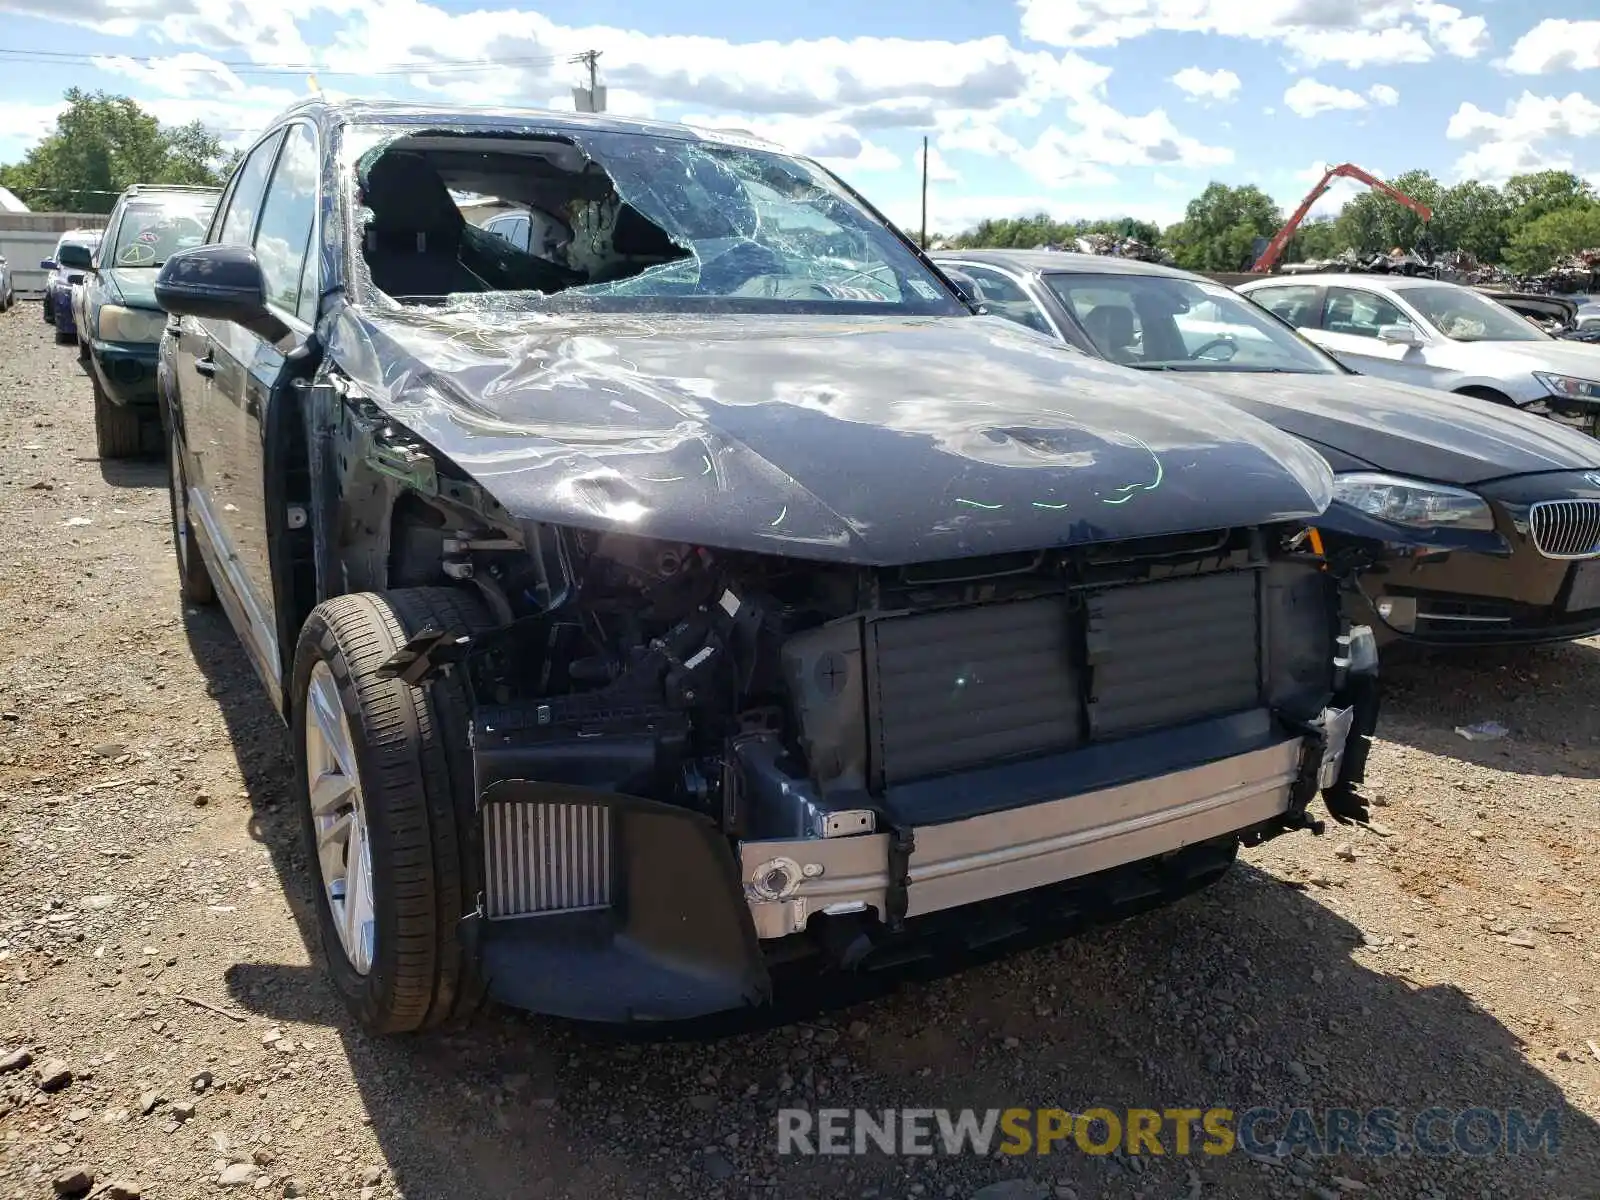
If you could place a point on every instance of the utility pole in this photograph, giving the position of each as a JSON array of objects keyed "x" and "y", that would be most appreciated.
[
  {"x": 924, "y": 191},
  {"x": 592, "y": 98}
]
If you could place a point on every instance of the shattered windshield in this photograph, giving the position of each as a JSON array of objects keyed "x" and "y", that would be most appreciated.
[
  {"x": 1169, "y": 323},
  {"x": 623, "y": 221},
  {"x": 152, "y": 231},
  {"x": 1465, "y": 316}
]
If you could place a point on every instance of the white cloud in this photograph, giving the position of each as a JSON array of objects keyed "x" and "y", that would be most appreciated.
[
  {"x": 1512, "y": 142},
  {"x": 940, "y": 171},
  {"x": 1351, "y": 32},
  {"x": 1221, "y": 84},
  {"x": 1306, "y": 98},
  {"x": 191, "y": 74},
  {"x": 1556, "y": 44}
]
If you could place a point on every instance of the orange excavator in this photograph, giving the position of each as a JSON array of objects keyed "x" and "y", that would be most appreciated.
[{"x": 1270, "y": 255}]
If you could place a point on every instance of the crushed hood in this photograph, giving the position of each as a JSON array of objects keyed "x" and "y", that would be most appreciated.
[
  {"x": 1408, "y": 430},
  {"x": 876, "y": 440}
]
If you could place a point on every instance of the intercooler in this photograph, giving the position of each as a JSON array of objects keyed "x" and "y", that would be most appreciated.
[
  {"x": 972, "y": 686},
  {"x": 546, "y": 858}
]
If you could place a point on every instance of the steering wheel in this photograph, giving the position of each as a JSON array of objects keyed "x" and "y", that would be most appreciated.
[
  {"x": 1226, "y": 341},
  {"x": 136, "y": 254}
]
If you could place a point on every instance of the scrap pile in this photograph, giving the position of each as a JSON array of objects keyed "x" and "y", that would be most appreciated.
[
  {"x": 1112, "y": 246},
  {"x": 1396, "y": 262}
]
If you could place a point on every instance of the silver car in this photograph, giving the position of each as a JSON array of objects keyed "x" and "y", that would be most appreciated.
[
  {"x": 8, "y": 287},
  {"x": 1439, "y": 335}
]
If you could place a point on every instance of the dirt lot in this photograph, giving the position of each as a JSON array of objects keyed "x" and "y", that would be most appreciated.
[{"x": 147, "y": 859}]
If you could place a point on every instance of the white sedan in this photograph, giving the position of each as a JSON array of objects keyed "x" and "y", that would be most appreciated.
[{"x": 1439, "y": 335}]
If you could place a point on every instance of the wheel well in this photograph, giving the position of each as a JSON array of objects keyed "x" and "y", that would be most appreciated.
[{"x": 1485, "y": 393}]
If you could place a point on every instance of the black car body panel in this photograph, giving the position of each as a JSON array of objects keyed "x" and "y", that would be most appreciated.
[
  {"x": 810, "y": 631},
  {"x": 1441, "y": 585},
  {"x": 1410, "y": 431},
  {"x": 873, "y": 440}
]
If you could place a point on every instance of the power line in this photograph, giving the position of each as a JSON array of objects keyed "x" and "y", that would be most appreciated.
[{"x": 238, "y": 67}]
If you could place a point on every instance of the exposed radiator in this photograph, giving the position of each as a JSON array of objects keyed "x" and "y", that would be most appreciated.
[
  {"x": 1166, "y": 653},
  {"x": 972, "y": 685},
  {"x": 546, "y": 858}
]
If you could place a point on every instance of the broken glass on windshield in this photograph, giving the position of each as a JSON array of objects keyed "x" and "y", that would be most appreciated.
[{"x": 624, "y": 219}]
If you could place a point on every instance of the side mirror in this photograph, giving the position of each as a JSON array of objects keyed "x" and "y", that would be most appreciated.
[
  {"x": 218, "y": 283},
  {"x": 76, "y": 257},
  {"x": 966, "y": 286},
  {"x": 1399, "y": 335},
  {"x": 47, "y": 264}
]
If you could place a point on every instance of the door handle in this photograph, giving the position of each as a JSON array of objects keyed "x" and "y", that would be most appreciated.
[{"x": 206, "y": 366}]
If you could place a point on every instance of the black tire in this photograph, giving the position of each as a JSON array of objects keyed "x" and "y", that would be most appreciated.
[
  {"x": 194, "y": 581},
  {"x": 65, "y": 336},
  {"x": 117, "y": 429},
  {"x": 49, "y": 317},
  {"x": 414, "y": 769},
  {"x": 83, "y": 348}
]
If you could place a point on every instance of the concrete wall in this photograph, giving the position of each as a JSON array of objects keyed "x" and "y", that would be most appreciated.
[{"x": 26, "y": 238}]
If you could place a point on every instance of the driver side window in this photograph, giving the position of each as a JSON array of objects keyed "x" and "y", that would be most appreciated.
[
  {"x": 244, "y": 201},
  {"x": 1359, "y": 314},
  {"x": 1005, "y": 298}
]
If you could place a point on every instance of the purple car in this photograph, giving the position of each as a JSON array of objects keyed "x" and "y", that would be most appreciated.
[{"x": 58, "y": 285}]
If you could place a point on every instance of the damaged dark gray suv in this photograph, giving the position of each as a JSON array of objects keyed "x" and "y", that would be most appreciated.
[{"x": 695, "y": 586}]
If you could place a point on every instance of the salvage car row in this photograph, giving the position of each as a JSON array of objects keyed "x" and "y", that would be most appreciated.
[{"x": 692, "y": 583}]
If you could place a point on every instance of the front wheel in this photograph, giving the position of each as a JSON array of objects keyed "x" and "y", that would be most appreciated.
[
  {"x": 384, "y": 784},
  {"x": 117, "y": 428}
]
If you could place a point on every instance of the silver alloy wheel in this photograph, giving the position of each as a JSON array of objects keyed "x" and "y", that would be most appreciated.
[{"x": 338, "y": 814}]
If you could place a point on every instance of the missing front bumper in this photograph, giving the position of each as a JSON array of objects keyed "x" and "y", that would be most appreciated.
[{"x": 787, "y": 882}]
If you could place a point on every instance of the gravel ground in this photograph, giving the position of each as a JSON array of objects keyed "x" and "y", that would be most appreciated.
[{"x": 155, "y": 943}]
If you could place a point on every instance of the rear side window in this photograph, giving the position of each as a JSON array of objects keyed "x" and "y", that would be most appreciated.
[
  {"x": 244, "y": 201},
  {"x": 1296, "y": 305},
  {"x": 287, "y": 216}
]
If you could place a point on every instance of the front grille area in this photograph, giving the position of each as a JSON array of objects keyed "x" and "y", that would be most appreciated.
[
  {"x": 971, "y": 686},
  {"x": 546, "y": 858},
  {"x": 1166, "y": 653},
  {"x": 1566, "y": 528}
]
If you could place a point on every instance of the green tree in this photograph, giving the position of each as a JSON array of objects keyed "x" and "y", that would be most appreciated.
[
  {"x": 1529, "y": 197},
  {"x": 1472, "y": 216},
  {"x": 101, "y": 145},
  {"x": 1314, "y": 241},
  {"x": 1543, "y": 242},
  {"x": 1373, "y": 224},
  {"x": 1220, "y": 227}
]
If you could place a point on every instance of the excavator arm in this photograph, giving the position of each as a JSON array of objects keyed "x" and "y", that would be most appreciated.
[{"x": 1269, "y": 256}]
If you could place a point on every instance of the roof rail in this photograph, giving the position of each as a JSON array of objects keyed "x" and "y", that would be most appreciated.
[{"x": 172, "y": 187}]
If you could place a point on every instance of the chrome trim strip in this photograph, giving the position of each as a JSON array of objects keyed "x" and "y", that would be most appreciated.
[
  {"x": 1011, "y": 851},
  {"x": 1423, "y": 616}
]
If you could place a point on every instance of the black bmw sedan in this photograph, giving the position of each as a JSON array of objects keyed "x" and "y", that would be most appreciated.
[{"x": 1480, "y": 524}]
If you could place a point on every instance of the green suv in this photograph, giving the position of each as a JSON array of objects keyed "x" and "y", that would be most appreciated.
[{"x": 122, "y": 322}]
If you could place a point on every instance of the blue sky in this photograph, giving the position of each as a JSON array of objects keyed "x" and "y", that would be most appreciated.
[{"x": 1078, "y": 107}]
